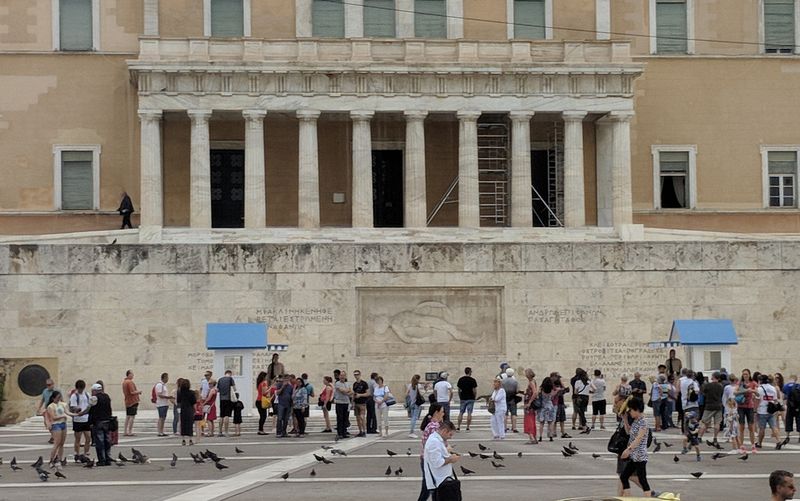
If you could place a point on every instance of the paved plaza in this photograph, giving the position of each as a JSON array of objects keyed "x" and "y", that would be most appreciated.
[{"x": 541, "y": 473}]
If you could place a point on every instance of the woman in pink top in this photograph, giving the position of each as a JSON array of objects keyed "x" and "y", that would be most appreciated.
[
  {"x": 326, "y": 398},
  {"x": 430, "y": 424}
]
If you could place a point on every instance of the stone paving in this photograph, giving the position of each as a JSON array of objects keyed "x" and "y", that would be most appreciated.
[{"x": 541, "y": 473}]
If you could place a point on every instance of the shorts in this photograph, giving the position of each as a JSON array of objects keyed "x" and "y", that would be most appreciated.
[
  {"x": 466, "y": 406},
  {"x": 745, "y": 415},
  {"x": 162, "y": 411},
  {"x": 712, "y": 417},
  {"x": 511, "y": 407},
  {"x": 765, "y": 420},
  {"x": 62, "y": 426},
  {"x": 599, "y": 408},
  {"x": 360, "y": 409},
  {"x": 226, "y": 408},
  {"x": 81, "y": 427},
  {"x": 132, "y": 410},
  {"x": 561, "y": 414}
]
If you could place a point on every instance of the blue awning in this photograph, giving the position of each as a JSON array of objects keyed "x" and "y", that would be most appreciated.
[
  {"x": 712, "y": 331},
  {"x": 236, "y": 336}
]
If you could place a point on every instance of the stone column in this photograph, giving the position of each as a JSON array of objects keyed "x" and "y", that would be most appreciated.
[
  {"x": 200, "y": 170},
  {"x": 415, "y": 207},
  {"x": 308, "y": 170},
  {"x": 468, "y": 197},
  {"x": 622, "y": 202},
  {"x": 151, "y": 17},
  {"x": 574, "y": 197},
  {"x": 521, "y": 191},
  {"x": 255, "y": 192},
  {"x": 361, "y": 197},
  {"x": 152, "y": 189}
]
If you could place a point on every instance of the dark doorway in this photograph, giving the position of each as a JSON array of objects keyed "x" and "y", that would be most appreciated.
[
  {"x": 541, "y": 184},
  {"x": 387, "y": 188},
  {"x": 227, "y": 188}
]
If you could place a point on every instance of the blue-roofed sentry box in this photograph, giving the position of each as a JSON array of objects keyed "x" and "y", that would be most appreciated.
[
  {"x": 236, "y": 336},
  {"x": 707, "y": 342}
]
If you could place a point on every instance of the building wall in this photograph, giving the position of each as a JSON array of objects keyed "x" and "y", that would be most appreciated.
[{"x": 104, "y": 309}]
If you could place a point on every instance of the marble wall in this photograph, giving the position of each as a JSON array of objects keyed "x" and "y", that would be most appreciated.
[{"x": 101, "y": 309}]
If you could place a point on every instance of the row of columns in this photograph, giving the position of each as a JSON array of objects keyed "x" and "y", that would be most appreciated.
[{"x": 415, "y": 203}]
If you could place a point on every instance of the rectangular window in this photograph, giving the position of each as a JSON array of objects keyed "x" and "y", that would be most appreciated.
[
  {"x": 77, "y": 184},
  {"x": 712, "y": 360},
  {"x": 75, "y": 24},
  {"x": 379, "y": 16},
  {"x": 674, "y": 176},
  {"x": 782, "y": 167},
  {"x": 227, "y": 18},
  {"x": 779, "y": 26},
  {"x": 529, "y": 19},
  {"x": 327, "y": 18},
  {"x": 671, "y": 29},
  {"x": 430, "y": 20}
]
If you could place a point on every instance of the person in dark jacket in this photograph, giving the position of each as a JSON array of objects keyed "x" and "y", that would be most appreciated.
[
  {"x": 100, "y": 420},
  {"x": 186, "y": 399},
  {"x": 126, "y": 209}
]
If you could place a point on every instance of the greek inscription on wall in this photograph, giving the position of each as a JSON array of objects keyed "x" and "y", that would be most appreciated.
[
  {"x": 554, "y": 315},
  {"x": 200, "y": 361},
  {"x": 293, "y": 318},
  {"x": 616, "y": 358}
]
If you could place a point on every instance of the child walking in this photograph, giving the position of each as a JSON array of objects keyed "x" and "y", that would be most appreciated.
[
  {"x": 692, "y": 438},
  {"x": 238, "y": 407},
  {"x": 732, "y": 427}
]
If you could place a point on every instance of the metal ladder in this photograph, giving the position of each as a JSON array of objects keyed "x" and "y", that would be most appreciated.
[
  {"x": 555, "y": 175},
  {"x": 493, "y": 169}
]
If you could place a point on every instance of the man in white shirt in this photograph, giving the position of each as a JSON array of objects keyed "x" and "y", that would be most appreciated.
[
  {"x": 444, "y": 394},
  {"x": 687, "y": 381},
  {"x": 78, "y": 402},
  {"x": 204, "y": 384},
  {"x": 439, "y": 458},
  {"x": 163, "y": 400},
  {"x": 766, "y": 394}
]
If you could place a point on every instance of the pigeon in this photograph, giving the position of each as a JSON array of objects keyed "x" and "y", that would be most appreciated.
[
  {"x": 338, "y": 452},
  {"x": 744, "y": 458},
  {"x": 197, "y": 458},
  {"x": 408, "y": 453},
  {"x": 13, "y": 464},
  {"x": 388, "y": 471},
  {"x": 113, "y": 242},
  {"x": 213, "y": 457},
  {"x": 1, "y": 461},
  {"x": 571, "y": 446},
  {"x": 83, "y": 459},
  {"x": 466, "y": 471},
  {"x": 43, "y": 476},
  {"x": 497, "y": 456},
  {"x": 318, "y": 458},
  {"x": 484, "y": 456},
  {"x": 482, "y": 447},
  {"x": 657, "y": 448},
  {"x": 676, "y": 458},
  {"x": 472, "y": 454},
  {"x": 398, "y": 472},
  {"x": 38, "y": 463},
  {"x": 519, "y": 454},
  {"x": 667, "y": 445},
  {"x": 312, "y": 473},
  {"x": 89, "y": 464},
  {"x": 697, "y": 474},
  {"x": 709, "y": 443},
  {"x": 41, "y": 472},
  {"x": 568, "y": 452},
  {"x": 390, "y": 453},
  {"x": 326, "y": 447},
  {"x": 203, "y": 455},
  {"x": 498, "y": 465},
  {"x": 174, "y": 460},
  {"x": 285, "y": 476},
  {"x": 135, "y": 453},
  {"x": 122, "y": 458},
  {"x": 219, "y": 465},
  {"x": 717, "y": 456},
  {"x": 595, "y": 455},
  {"x": 326, "y": 461},
  {"x": 60, "y": 475},
  {"x": 238, "y": 450}
]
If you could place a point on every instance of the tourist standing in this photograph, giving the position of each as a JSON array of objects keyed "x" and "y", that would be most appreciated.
[
  {"x": 529, "y": 413},
  {"x": 186, "y": 399},
  {"x": 238, "y": 407},
  {"x": 41, "y": 410},
  {"x": 430, "y": 424},
  {"x": 638, "y": 387},
  {"x": 690, "y": 394},
  {"x": 275, "y": 369},
  {"x": 560, "y": 403},
  {"x": 210, "y": 408},
  {"x": 227, "y": 390},
  {"x": 78, "y": 403},
  {"x": 380, "y": 397},
  {"x": 263, "y": 401},
  {"x": 547, "y": 414},
  {"x": 100, "y": 420},
  {"x": 299, "y": 406},
  {"x": 176, "y": 410},
  {"x": 283, "y": 395},
  {"x": 572, "y": 381},
  {"x": 57, "y": 413},
  {"x": 326, "y": 401},
  {"x": 636, "y": 450},
  {"x": 439, "y": 459},
  {"x": 597, "y": 388},
  {"x": 792, "y": 392},
  {"x": 673, "y": 364},
  {"x": 372, "y": 420},
  {"x": 131, "y": 394},
  {"x": 511, "y": 387},
  {"x": 361, "y": 395},
  {"x": 767, "y": 397},
  {"x": 444, "y": 393},
  {"x": 746, "y": 407},
  {"x": 467, "y": 393},
  {"x": 582, "y": 389},
  {"x": 162, "y": 403},
  {"x": 414, "y": 396},
  {"x": 712, "y": 411},
  {"x": 498, "y": 418},
  {"x": 341, "y": 397},
  {"x": 204, "y": 384}
]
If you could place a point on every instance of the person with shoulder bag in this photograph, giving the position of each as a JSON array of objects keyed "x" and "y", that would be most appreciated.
[{"x": 438, "y": 460}]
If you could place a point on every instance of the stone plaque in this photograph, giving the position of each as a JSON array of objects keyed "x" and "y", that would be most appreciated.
[{"x": 430, "y": 321}]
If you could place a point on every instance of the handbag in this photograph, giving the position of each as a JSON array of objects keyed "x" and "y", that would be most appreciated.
[
  {"x": 389, "y": 400},
  {"x": 448, "y": 489},
  {"x": 265, "y": 402},
  {"x": 234, "y": 398},
  {"x": 420, "y": 400},
  {"x": 618, "y": 441},
  {"x": 491, "y": 407},
  {"x": 537, "y": 402}
]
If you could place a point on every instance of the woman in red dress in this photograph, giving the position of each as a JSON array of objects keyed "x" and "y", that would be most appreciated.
[
  {"x": 531, "y": 392},
  {"x": 210, "y": 406}
]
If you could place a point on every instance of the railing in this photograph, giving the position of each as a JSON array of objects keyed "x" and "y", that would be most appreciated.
[{"x": 383, "y": 51}]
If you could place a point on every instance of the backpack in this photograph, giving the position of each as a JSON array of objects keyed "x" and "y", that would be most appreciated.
[
  {"x": 692, "y": 396},
  {"x": 153, "y": 394},
  {"x": 793, "y": 400}
]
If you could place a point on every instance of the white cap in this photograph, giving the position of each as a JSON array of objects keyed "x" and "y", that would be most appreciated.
[
  {"x": 509, "y": 372},
  {"x": 444, "y": 375},
  {"x": 97, "y": 387}
]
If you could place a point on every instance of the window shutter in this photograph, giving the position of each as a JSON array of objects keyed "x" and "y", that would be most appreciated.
[
  {"x": 227, "y": 18},
  {"x": 379, "y": 18},
  {"x": 671, "y": 23},
  {"x": 530, "y": 13},
  {"x": 429, "y": 19},
  {"x": 674, "y": 162},
  {"x": 76, "y": 180},
  {"x": 779, "y": 25},
  {"x": 327, "y": 18},
  {"x": 75, "y": 24},
  {"x": 782, "y": 162}
]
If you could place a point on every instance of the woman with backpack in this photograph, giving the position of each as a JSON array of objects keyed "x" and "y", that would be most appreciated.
[
  {"x": 415, "y": 398},
  {"x": 531, "y": 404}
]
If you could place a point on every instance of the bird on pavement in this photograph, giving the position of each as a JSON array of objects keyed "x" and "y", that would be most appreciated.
[
  {"x": 13, "y": 464},
  {"x": 1, "y": 461},
  {"x": 326, "y": 461},
  {"x": 472, "y": 454},
  {"x": 122, "y": 458},
  {"x": 60, "y": 475},
  {"x": 213, "y": 457},
  {"x": 43, "y": 475},
  {"x": 565, "y": 454},
  {"x": 595, "y": 455},
  {"x": 519, "y": 454},
  {"x": 484, "y": 456},
  {"x": 238, "y": 450},
  {"x": 709, "y": 443},
  {"x": 89, "y": 464},
  {"x": 174, "y": 460},
  {"x": 197, "y": 459},
  {"x": 572, "y": 446},
  {"x": 398, "y": 472},
  {"x": 312, "y": 473},
  {"x": 717, "y": 456},
  {"x": 38, "y": 463},
  {"x": 285, "y": 475},
  {"x": 744, "y": 458},
  {"x": 466, "y": 471},
  {"x": 482, "y": 447},
  {"x": 498, "y": 465},
  {"x": 391, "y": 453},
  {"x": 676, "y": 458},
  {"x": 586, "y": 431},
  {"x": 667, "y": 444},
  {"x": 326, "y": 447},
  {"x": 388, "y": 471},
  {"x": 318, "y": 458},
  {"x": 219, "y": 465},
  {"x": 568, "y": 452},
  {"x": 657, "y": 448},
  {"x": 497, "y": 456},
  {"x": 697, "y": 474},
  {"x": 408, "y": 452},
  {"x": 339, "y": 452}
]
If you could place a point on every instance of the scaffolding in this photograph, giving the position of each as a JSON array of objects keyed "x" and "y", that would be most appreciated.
[
  {"x": 493, "y": 169},
  {"x": 555, "y": 175}
]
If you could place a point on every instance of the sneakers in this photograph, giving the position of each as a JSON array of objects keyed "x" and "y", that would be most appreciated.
[
  {"x": 412, "y": 435},
  {"x": 698, "y": 458},
  {"x": 753, "y": 449},
  {"x": 684, "y": 451},
  {"x": 566, "y": 435}
]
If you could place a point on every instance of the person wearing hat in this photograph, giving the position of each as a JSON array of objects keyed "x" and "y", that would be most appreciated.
[
  {"x": 444, "y": 393},
  {"x": 100, "y": 420}
]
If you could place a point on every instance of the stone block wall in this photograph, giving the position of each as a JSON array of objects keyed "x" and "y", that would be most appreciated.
[{"x": 101, "y": 309}]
